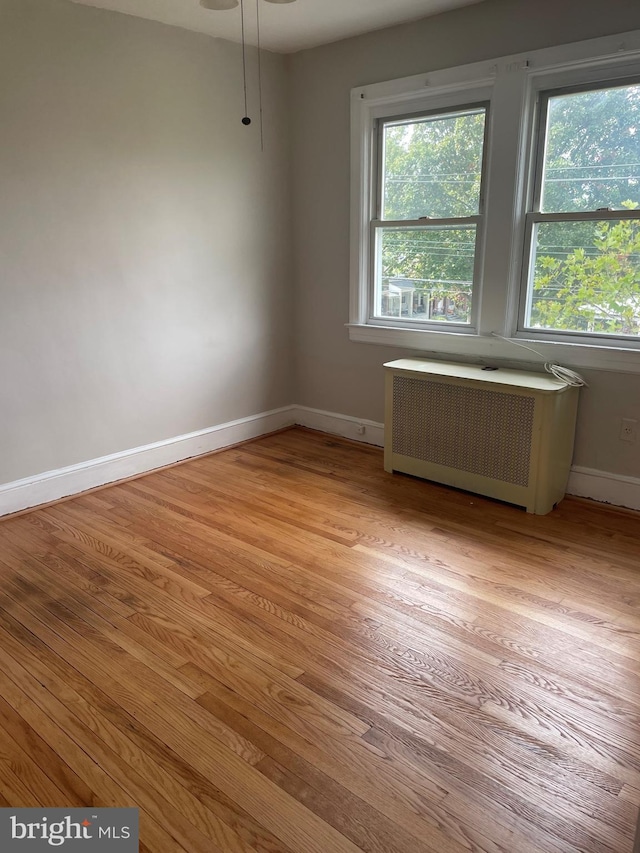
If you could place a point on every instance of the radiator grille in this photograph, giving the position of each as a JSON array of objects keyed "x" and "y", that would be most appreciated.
[{"x": 470, "y": 429}]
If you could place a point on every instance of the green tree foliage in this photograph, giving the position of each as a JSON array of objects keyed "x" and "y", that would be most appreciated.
[
  {"x": 592, "y": 155},
  {"x": 594, "y": 289},
  {"x": 432, "y": 167}
]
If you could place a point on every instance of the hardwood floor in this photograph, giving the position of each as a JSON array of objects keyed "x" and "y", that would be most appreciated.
[{"x": 282, "y": 648}]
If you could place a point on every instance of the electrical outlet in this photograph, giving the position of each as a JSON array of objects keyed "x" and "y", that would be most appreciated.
[
  {"x": 628, "y": 429},
  {"x": 361, "y": 429}
]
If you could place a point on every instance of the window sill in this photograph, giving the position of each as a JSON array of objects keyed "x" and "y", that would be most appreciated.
[{"x": 446, "y": 343}]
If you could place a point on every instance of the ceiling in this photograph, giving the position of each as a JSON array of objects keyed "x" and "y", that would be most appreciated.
[{"x": 285, "y": 27}]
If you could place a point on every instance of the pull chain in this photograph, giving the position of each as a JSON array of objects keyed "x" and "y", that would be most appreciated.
[
  {"x": 260, "y": 75},
  {"x": 246, "y": 120}
]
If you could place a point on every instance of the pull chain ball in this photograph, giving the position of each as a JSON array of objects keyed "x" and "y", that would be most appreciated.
[{"x": 232, "y": 4}]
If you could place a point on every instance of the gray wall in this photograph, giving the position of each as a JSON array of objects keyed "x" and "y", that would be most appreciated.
[
  {"x": 146, "y": 243},
  {"x": 145, "y": 287},
  {"x": 333, "y": 373}
]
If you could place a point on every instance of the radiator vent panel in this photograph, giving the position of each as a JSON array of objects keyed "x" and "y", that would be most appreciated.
[{"x": 466, "y": 428}]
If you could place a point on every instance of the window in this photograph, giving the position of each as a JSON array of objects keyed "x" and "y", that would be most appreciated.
[
  {"x": 583, "y": 233},
  {"x": 429, "y": 206},
  {"x": 502, "y": 197}
]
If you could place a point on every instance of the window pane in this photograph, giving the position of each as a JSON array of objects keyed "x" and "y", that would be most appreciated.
[
  {"x": 432, "y": 166},
  {"x": 425, "y": 274},
  {"x": 592, "y": 156},
  {"x": 586, "y": 277}
]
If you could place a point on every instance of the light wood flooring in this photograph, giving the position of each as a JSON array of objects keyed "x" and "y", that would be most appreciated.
[{"x": 282, "y": 648}]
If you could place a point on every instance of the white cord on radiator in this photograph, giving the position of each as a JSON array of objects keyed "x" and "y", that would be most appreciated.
[{"x": 564, "y": 374}]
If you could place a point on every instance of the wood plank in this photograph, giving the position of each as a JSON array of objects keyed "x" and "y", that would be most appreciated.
[
  {"x": 111, "y": 794},
  {"x": 194, "y": 794},
  {"x": 74, "y": 793},
  {"x": 62, "y": 632},
  {"x": 397, "y": 795}
]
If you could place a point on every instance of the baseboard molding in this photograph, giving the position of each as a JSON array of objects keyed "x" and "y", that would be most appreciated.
[
  {"x": 607, "y": 488},
  {"x": 53, "y": 485},
  {"x": 600, "y": 486},
  {"x": 50, "y": 486},
  {"x": 358, "y": 429}
]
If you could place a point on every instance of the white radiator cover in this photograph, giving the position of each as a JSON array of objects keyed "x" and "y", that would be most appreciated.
[{"x": 507, "y": 434}]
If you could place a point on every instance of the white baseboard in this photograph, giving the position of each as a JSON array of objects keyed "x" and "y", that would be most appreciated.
[
  {"x": 600, "y": 486},
  {"x": 608, "y": 488},
  {"x": 52, "y": 485},
  {"x": 358, "y": 429}
]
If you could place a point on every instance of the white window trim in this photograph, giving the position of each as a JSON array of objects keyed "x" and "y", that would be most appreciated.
[{"x": 511, "y": 84}]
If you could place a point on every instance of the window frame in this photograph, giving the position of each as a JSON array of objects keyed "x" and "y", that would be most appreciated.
[
  {"x": 534, "y": 215},
  {"x": 512, "y": 85},
  {"x": 377, "y": 224}
]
